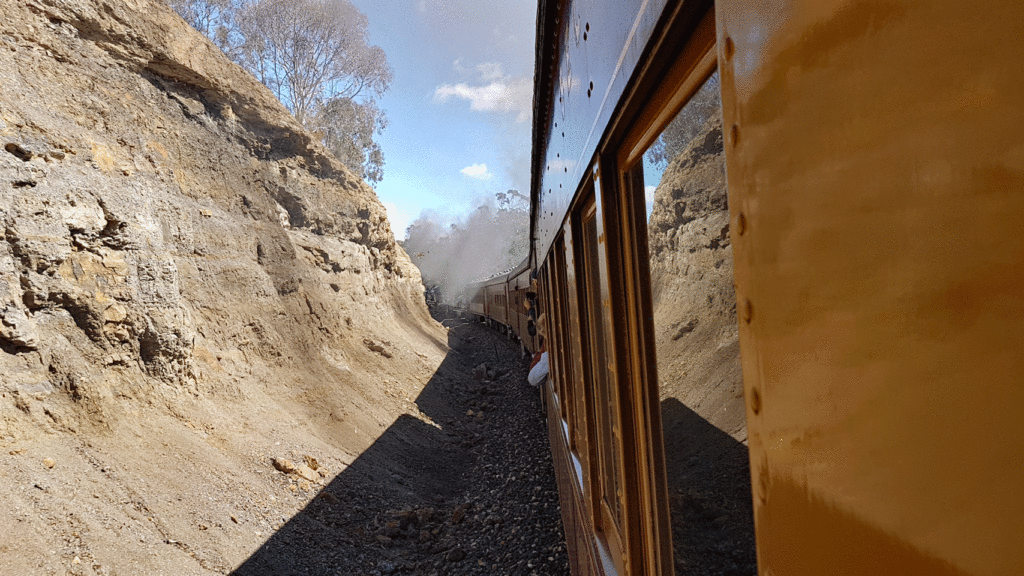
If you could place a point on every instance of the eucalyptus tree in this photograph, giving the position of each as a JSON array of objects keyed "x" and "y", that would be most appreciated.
[
  {"x": 311, "y": 51},
  {"x": 316, "y": 58},
  {"x": 347, "y": 129}
]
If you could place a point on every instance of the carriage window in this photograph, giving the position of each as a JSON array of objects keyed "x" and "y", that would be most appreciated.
[
  {"x": 695, "y": 325},
  {"x": 577, "y": 408},
  {"x": 606, "y": 398},
  {"x": 560, "y": 322},
  {"x": 552, "y": 337}
]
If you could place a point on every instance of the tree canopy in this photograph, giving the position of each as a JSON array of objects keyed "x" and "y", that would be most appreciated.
[{"x": 315, "y": 56}]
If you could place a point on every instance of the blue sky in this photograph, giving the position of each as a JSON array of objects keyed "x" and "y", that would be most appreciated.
[{"x": 459, "y": 108}]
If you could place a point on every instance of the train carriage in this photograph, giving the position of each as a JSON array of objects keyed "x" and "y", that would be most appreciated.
[
  {"x": 872, "y": 183},
  {"x": 519, "y": 286},
  {"x": 477, "y": 300},
  {"x": 847, "y": 175},
  {"x": 496, "y": 296},
  {"x": 500, "y": 301}
]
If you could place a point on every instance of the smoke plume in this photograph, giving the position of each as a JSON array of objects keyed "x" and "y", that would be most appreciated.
[{"x": 490, "y": 240}]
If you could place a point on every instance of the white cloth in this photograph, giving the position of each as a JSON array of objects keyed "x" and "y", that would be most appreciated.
[{"x": 540, "y": 371}]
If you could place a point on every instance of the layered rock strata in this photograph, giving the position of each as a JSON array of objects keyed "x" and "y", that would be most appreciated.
[
  {"x": 190, "y": 287},
  {"x": 169, "y": 228}
]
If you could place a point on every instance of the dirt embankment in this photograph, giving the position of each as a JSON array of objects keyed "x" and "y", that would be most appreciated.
[{"x": 189, "y": 287}]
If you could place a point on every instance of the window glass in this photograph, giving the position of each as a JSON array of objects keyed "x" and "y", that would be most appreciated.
[
  {"x": 696, "y": 335},
  {"x": 607, "y": 400},
  {"x": 561, "y": 322}
]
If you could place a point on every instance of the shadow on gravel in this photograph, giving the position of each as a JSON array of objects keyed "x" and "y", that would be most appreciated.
[
  {"x": 709, "y": 493},
  {"x": 447, "y": 497},
  {"x": 331, "y": 534}
]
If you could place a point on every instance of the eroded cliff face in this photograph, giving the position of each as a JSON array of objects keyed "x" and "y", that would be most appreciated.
[
  {"x": 184, "y": 272},
  {"x": 162, "y": 210}
]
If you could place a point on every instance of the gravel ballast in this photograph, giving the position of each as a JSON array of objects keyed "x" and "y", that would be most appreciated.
[{"x": 468, "y": 488}]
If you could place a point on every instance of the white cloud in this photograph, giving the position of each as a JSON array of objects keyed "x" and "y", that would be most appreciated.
[
  {"x": 496, "y": 92},
  {"x": 490, "y": 71},
  {"x": 489, "y": 97},
  {"x": 478, "y": 171}
]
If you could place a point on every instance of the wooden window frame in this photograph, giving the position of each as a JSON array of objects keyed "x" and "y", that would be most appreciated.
[
  {"x": 579, "y": 410},
  {"x": 615, "y": 292},
  {"x": 610, "y": 523},
  {"x": 565, "y": 373},
  {"x": 649, "y": 111}
]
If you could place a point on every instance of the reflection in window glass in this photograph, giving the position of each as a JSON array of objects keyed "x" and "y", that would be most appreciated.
[
  {"x": 691, "y": 123},
  {"x": 607, "y": 399},
  {"x": 696, "y": 337}
]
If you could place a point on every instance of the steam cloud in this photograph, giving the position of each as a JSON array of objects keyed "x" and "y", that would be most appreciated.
[{"x": 491, "y": 239}]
